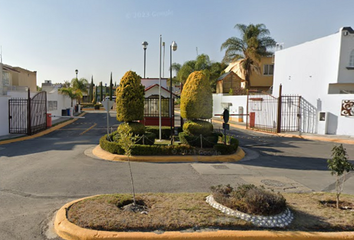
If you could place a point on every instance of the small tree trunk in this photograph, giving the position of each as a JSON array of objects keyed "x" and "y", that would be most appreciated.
[{"x": 132, "y": 181}]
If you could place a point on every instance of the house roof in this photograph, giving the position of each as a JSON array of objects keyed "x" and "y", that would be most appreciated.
[
  {"x": 221, "y": 78},
  {"x": 9, "y": 68},
  {"x": 237, "y": 69},
  {"x": 156, "y": 85}
]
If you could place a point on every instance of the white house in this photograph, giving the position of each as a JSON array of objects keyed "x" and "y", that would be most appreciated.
[{"x": 322, "y": 72}]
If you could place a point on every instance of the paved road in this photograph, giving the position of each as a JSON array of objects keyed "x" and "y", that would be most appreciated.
[{"x": 38, "y": 176}]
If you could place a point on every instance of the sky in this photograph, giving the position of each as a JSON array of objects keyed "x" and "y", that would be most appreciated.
[{"x": 97, "y": 37}]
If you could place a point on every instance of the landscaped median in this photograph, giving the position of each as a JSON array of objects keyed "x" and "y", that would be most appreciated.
[
  {"x": 200, "y": 156},
  {"x": 191, "y": 207}
]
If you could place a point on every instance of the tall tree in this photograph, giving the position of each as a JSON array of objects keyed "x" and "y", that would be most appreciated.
[
  {"x": 71, "y": 93},
  {"x": 79, "y": 86},
  {"x": 110, "y": 89},
  {"x": 101, "y": 92},
  {"x": 91, "y": 90},
  {"x": 212, "y": 70},
  {"x": 249, "y": 49}
]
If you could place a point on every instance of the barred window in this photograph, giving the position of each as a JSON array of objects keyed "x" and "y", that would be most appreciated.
[{"x": 52, "y": 105}]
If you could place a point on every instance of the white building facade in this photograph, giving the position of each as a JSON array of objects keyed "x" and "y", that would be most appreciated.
[{"x": 322, "y": 72}]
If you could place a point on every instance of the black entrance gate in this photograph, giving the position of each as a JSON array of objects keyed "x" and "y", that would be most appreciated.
[{"x": 28, "y": 116}]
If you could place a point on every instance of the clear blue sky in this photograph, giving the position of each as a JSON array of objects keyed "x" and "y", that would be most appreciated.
[{"x": 97, "y": 37}]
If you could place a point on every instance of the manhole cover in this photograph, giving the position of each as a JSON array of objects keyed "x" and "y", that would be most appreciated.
[
  {"x": 220, "y": 167},
  {"x": 272, "y": 183}
]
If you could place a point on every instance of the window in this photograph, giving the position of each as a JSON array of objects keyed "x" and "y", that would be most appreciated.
[
  {"x": 351, "y": 59},
  {"x": 52, "y": 105},
  {"x": 268, "y": 69}
]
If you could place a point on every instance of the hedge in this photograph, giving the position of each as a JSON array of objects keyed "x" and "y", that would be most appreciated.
[
  {"x": 183, "y": 149},
  {"x": 165, "y": 131},
  {"x": 194, "y": 140}
]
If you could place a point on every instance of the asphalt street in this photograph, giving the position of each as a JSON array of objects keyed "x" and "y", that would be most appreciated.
[{"x": 40, "y": 175}]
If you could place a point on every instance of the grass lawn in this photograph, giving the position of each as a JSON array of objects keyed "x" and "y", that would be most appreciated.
[{"x": 190, "y": 212}]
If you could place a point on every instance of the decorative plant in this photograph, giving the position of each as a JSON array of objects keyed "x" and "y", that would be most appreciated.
[
  {"x": 339, "y": 165},
  {"x": 130, "y": 98},
  {"x": 196, "y": 97}
]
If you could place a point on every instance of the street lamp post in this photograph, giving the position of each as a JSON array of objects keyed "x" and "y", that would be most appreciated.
[
  {"x": 174, "y": 48},
  {"x": 145, "y": 44},
  {"x": 76, "y": 71}
]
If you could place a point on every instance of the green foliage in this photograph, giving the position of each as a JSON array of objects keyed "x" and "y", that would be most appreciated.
[
  {"x": 126, "y": 139},
  {"x": 136, "y": 128},
  {"x": 165, "y": 131},
  {"x": 198, "y": 127},
  {"x": 194, "y": 140},
  {"x": 339, "y": 165},
  {"x": 231, "y": 92},
  {"x": 196, "y": 97},
  {"x": 130, "y": 98},
  {"x": 250, "y": 47},
  {"x": 250, "y": 199}
]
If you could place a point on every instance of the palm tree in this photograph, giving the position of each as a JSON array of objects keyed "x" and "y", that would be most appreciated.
[
  {"x": 249, "y": 48},
  {"x": 71, "y": 93},
  {"x": 79, "y": 86}
]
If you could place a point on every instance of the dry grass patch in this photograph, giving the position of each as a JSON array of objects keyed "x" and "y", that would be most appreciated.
[{"x": 189, "y": 211}]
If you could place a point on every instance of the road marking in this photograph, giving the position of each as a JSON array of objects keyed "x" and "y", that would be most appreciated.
[{"x": 88, "y": 129}]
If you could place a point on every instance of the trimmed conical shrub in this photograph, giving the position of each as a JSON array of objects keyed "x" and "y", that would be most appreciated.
[
  {"x": 130, "y": 98},
  {"x": 196, "y": 97}
]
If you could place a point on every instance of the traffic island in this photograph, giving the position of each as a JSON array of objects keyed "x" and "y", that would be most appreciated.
[
  {"x": 67, "y": 230},
  {"x": 239, "y": 155}
]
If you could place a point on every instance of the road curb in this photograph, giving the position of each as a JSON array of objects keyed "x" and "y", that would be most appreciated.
[
  {"x": 49, "y": 130},
  {"x": 100, "y": 153},
  {"x": 69, "y": 231}
]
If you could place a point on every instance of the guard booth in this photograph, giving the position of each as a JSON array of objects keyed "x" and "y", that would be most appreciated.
[{"x": 151, "y": 107}]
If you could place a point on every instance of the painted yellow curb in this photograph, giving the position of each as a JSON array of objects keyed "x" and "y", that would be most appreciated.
[
  {"x": 69, "y": 231},
  {"x": 100, "y": 153},
  {"x": 316, "y": 138},
  {"x": 49, "y": 130}
]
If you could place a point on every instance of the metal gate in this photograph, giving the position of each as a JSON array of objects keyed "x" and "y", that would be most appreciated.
[
  {"x": 28, "y": 116},
  {"x": 283, "y": 114}
]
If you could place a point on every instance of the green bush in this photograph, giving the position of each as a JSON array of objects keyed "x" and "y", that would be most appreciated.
[
  {"x": 136, "y": 128},
  {"x": 148, "y": 138},
  {"x": 196, "y": 97},
  {"x": 130, "y": 98},
  {"x": 145, "y": 150},
  {"x": 250, "y": 199},
  {"x": 198, "y": 127},
  {"x": 112, "y": 147},
  {"x": 165, "y": 131},
  {"x": 194, "y": 140},
  {"x": 227, "y": 149}
]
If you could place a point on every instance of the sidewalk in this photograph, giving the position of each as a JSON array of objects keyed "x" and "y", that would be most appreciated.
[{"x": 309, "y": 136}]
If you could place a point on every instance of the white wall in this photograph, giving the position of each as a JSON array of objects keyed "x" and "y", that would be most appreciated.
[
  {"x": 236, "y": 100},
  {"x": 63, "y": 102},
  {"x": 308, "y": 68},
  {"x": 337, "y": 124},
  {"x": 4, "y": 116}
]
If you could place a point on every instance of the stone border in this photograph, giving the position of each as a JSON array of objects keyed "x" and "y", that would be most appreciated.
[
  {"x": 279, "y": 220},
  {"x": 69, "y": 231}
]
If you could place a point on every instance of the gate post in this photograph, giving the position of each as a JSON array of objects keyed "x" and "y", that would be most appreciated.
[
  {"x": 279, "y": 110},
  {"x": 29, "y": 130}
]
